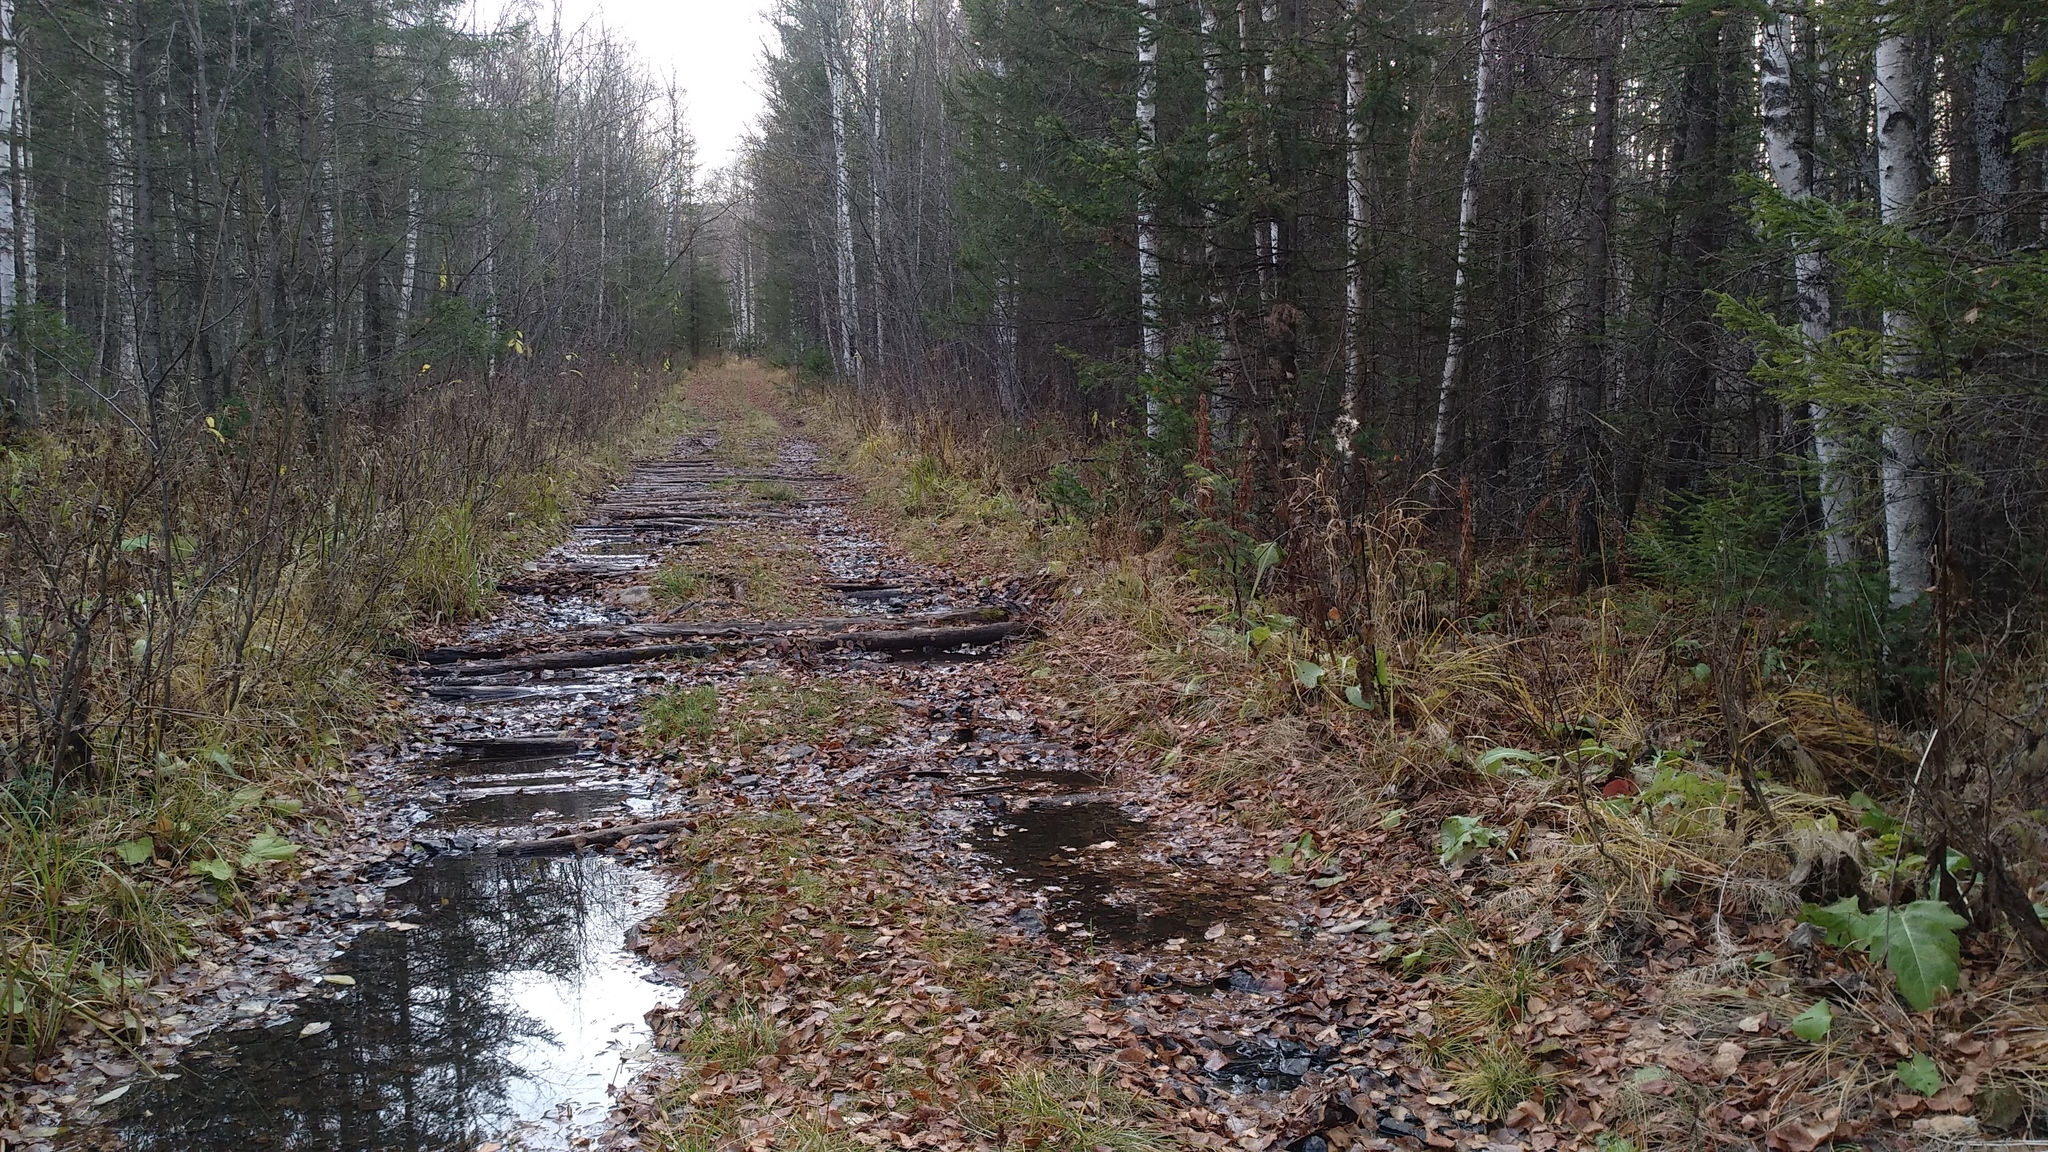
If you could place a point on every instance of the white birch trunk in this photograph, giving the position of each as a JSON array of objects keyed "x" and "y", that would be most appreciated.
[
  {"x": 1152, "y": 337},
  {"x": 846, "y": 350},
  {"x": 12, "y": 247},
  {"x": 875, "y": 170},
  {"x": 1794, "y": 176},
  {"x": 116, "y": 314},
  {"x": 1354, "y": 229},
  {"x": 1908, "y": 496},
  {"x": 1468, "y": 221},
  {"x": 409, "y": 277},
  {"x": 1269, "y": 19},
  {"x": 1221, "y": 405}
]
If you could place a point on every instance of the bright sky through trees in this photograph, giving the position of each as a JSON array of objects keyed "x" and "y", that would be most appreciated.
[{"x": 711, "y": 46}]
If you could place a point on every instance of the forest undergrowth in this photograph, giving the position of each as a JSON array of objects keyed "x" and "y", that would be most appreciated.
[
  {"x": 1684, "y": 787},
  {"x": 193, "y": 628}
]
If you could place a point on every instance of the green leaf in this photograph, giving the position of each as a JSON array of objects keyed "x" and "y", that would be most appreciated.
[
  {"x": 1358, "y": 698},
  {"x": 1843, "y": 920},
  {"x": 219, "y": 869},
  {"x": 287, "y": 805},
  {"x": 1308, "y": 673},
  {"x": 1918, "y": 943},
  {"x": 1329, "y": 881},
  {"x": 1392, "y": 820},
  {"x": 1920, "y": 1074},
  {"x": 1282, "y": 864},
  {"x": 1491, "y": 760},
  {"x": 1462, "y": 837},
  {"x": 136, "y": 851},
  {"x": 268, "y": 847},
  {"x": 1812, "y": 1025}
]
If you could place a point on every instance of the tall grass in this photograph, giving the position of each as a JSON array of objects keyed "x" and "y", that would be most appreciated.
[{"x": 190, "y": 611}]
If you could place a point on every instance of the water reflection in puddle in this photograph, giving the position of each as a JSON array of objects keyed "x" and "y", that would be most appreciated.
[
  {"x": 1086, "y": 857},
  {"x": 514, "y": 1000}
]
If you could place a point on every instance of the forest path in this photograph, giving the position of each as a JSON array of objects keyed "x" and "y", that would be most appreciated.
[
  {"x": 492, "y": 999},
  {"x": 922, "y": 893}
]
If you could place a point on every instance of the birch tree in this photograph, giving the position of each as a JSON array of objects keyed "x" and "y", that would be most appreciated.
[
  {"x": 1468, "y": 224},
  {"x": 1908, "y": 490},
  {"x": 1355, "y": 176},
  {"x": 847, "y": 296},
  {"x": 1791, "y": 168},
  {"x": 1152, "y": 337}
]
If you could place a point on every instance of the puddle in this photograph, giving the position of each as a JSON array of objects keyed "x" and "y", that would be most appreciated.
[
  {"x": 527, "y": 805},
  {"x": 514, "y": 1000},
  {"x": 1085, "y": 857}
]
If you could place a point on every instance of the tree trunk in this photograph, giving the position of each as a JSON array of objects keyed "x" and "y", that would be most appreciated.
[
  {"x": 1991, "y": 133},
  {"x": 1908, "y": 492},
  {"x": 1152, "y": 342},
  {"x": 1354, "y": 231},
  {"x": 1468, "y": 222},
  {"x": 1792, "y": 169},
  {"x": 848, "y": 322},
  {"x": 1221, "y": 406}
]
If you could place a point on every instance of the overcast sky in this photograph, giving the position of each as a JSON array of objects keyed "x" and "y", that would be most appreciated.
[{"x": 711, "y": 46}]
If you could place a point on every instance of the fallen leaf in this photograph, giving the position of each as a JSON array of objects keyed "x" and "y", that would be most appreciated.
[
  {"x": 1754, "y": 1023},
  {"x": 344, "y": 981},
  {"x": 314, "y": 1029},
  {"x": 110, "y": 1097},
  {"x": 1216, "y": 932},
  {"x": 1727, "y": 1058}
]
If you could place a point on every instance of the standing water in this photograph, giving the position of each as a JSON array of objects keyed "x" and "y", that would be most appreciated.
[
  {"x": 507, "y": 1012},
  {"x": 499, "y": 1002}
]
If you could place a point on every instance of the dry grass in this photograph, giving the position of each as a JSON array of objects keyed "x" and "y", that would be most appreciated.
[{"x": 752, "y": 570}]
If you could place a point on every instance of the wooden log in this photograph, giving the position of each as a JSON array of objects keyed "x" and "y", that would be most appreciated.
[
  {"x": 586, "y": 658},
  {"x": 917, "y": 639},
  {"x": 595, "y": 838},
  {"x": 893, "y": 640},
  {"x": 581, "y": 638}
]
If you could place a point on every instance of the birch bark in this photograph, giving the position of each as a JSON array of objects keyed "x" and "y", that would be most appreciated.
[
  {"x": 847, "y": 350},
  {"x": 1792, "y": 169},
  {"x": 1908, "y": 494},
  {"x": 1354, "y": 230},
  {"x": 1221, "y": 406},
  {"x": 1468, "y": 222},
  {"x": 1152, "y": 339}
]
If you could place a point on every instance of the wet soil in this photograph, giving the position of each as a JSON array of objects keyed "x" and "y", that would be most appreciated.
[{"x": 499, "y": 1002}]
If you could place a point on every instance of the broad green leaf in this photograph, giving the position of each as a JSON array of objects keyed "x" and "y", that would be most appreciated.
[
  {"x": 245, "y": 796},
  {"x": 268, "y": 847},
  {"x": 287, "y": 805},
  {"x": 1358, "y": 698},
  {"x": 1392, "y": 820},
  {"x": 1918, "y": 943},
  {"x": 219, "y": 869},
  {"x": 1812, "y": 1025},
  {"x": 1329, "y": 881},
  {"x": 1282, "y": 864},
  {"x": 1308, "y": 673},
  {"x": 1920, "y": 1074},
  {"x": 1843, "y": 920},
  {"x": 135, "y": 851},
  {"x": 1462, "y": 837}
]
